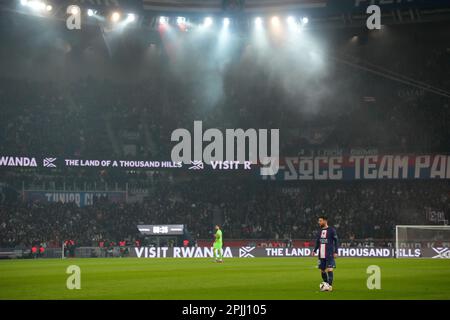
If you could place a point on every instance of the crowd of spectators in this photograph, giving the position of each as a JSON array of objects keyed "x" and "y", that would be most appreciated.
[{"x": 245, "y": 209}]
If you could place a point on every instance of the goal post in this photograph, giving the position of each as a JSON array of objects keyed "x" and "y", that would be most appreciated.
[{"x": 432, "y": 241}]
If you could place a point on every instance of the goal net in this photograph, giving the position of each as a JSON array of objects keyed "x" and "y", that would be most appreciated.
[{"x": 422, "y": 241}]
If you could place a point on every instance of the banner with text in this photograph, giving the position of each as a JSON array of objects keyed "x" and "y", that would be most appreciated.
[
  {"x": 363, "y": 167},
  {"x": 327, "y": 167},
  {"x": 81, "y": 199},
  {"x": 254, "y": 252}
]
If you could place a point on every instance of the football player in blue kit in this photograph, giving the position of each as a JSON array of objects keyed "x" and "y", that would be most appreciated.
[{"x": 327, "y": 245}]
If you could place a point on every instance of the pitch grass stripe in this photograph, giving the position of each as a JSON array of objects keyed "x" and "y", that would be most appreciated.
[{"x": 259, "y": 278}]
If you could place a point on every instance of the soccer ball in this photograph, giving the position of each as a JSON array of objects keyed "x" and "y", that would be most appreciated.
[{"x": 324, "y": 286}]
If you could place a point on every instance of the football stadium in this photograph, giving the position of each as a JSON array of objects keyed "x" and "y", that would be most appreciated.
[{"x": 225, "y": 150}]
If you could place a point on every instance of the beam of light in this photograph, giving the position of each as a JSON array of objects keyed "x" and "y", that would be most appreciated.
[
  {"x": 120, "y": 25},
  {"x": 164, "y": 25},
  {"x": 305, "y": 20},
  {"x": 259, "y": 38},
  {"x": 208, "y": 22},
  {"x": 276, "y": 33},
  {"x": 290, "y": 21},
  {"x": 115, "y": 16},
  {"x": 182, "y": 23},
  {"x": 275, "y": 21},
  {"x": 74, "y": 10},
  {"x": 131, "y": 17},
  {"x": 294, "y": 26},
  {"x": 35, "y": 5},
  {"x": 94, "y": 14},
  {"x": 258, "y": 25},
  {"x": 224, "y": 36},
  {"x": 163, "y": 20}
]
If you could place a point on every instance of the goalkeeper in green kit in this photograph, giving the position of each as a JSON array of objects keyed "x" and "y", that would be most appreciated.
[{"x": 218, "y": 245}]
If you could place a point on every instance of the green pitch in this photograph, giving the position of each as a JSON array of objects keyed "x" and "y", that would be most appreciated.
[{"x": 259, "y": 278}]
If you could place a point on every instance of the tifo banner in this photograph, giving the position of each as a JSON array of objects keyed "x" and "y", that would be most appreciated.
[
  {"x": 253, "y": 252},
  {"x": 81, "y": 199},
  {"x": 364, "y": 167}
]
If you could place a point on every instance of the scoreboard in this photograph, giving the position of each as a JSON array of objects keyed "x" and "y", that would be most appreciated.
[{"x": 161, "y": 229}]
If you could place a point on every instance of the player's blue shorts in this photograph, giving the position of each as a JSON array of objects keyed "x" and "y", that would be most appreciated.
[{"x": 326, "y": 263}]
